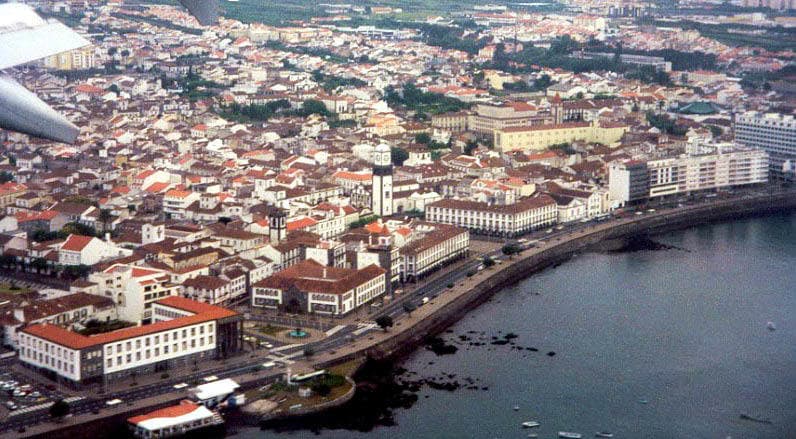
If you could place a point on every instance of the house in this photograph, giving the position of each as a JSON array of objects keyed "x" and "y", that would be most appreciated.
[{"x": 88, "y": 250}]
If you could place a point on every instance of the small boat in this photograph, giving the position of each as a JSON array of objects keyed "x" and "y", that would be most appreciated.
[
  {"x": 771, "y": 326},
  {"x": 643, "y": 401},
  {"x": 603, "y": 434},
  {"x": 516, "y": 407},
  {"x": 530, "y": 424},
  {"x": 568, "y": 435}
]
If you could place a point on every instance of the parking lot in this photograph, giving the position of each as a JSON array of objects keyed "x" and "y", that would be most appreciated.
[{"x": 18, "y": 393}]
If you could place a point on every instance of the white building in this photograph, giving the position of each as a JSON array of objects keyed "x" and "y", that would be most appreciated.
[
  {"x": 773, "y": 133},
  {"x": 134, "y": 289},
  {"x": 183, "y": 331},
  {"x": 381, "y": 200},
  {"x": 503, "y": 220},
  {"x": 702, "y": 168},
  {"x": 88, "y": 250}
]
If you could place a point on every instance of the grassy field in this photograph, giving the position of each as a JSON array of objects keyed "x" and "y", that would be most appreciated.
[
  {"x": 281, "y": 13},
  {"x": 12, "y": 289}
]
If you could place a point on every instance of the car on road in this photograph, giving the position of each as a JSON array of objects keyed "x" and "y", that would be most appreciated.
[
  {"x": 269, "y": 365},
  {"x": 113, "y": 402},
  {"x": 425, "y": 300},
  {"x": 180, "y": 386},
  {"x": 210, "y": 378}
]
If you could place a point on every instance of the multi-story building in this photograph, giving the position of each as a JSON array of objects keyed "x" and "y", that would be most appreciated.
[
  {"x": 175, "y": 202},
  {"x": 9, "y": 192},
  {"x": 183, "y": 332},
  {"x": 773, "y": 133},
  {"x": 488, "y": 118},
  {"x": 452, "y": 121},
  {"x": 703, "y": 168},
  {"x": 134, "y": 289},
  {"x": 539, "y": 137},
  {"x": 78, "y": 59},
  {"x": 502, "y": 220},
  {"x": 312, "y": 287},
  {"x": 437, "y": 245},
  {"x": 628, "y": 182}
]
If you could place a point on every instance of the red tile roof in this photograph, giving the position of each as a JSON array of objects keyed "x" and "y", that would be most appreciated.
[
  {"x": 202, "y": 313},
  {"x": 76, "y": 243},
  {"x": 182, "y": 409}
]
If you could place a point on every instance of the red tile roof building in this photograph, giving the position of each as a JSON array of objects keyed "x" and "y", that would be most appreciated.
[
  {"x": 316, "y": 288},
  {"x": 182, "y": 331}
]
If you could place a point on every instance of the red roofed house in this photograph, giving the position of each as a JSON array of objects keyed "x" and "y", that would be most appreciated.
[
  {"x": 88, "y": 250},
  {"x": 186, "y": 417},
  {"x": 183, "y": 332}
]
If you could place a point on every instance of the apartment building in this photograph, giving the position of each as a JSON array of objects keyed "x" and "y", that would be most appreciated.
[
  {"x": 134, "y": 289},
  {"x": 175, "y": 202},
  {"x": 500, "y": 220},
  {"x": 773, "y": 133},
  {"x": 702, "y": 168},
  {"x": 183, "y": 332}
]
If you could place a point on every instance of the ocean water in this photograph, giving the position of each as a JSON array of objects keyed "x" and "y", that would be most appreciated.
[{"x": 648, "y": 344}]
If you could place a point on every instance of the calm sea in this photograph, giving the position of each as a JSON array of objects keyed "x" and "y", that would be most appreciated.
[{"x": 648, "y": 344}]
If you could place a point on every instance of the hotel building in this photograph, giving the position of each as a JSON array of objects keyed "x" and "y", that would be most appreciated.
[
  {"x": 773, "y": 133},
  {"x": 702, "y": 168}
]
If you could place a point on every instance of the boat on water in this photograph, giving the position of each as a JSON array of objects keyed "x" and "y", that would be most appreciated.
[
  {"x": 603, "y": 434},
  {"x": 186, "y": 419},
  {"x": 771, "y": 326},
  {"x": 530, "y": 424},
  {"x": 569, "y": 435}
]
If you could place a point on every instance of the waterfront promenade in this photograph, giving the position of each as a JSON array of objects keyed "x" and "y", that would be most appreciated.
[{"x": 468, "y": 292}]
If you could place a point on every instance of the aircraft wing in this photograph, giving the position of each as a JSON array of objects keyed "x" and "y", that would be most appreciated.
[
  {"x": 26, "y": 37},
  {"x": 24, "y": 112},
  {"x": 206, "y": 11}
]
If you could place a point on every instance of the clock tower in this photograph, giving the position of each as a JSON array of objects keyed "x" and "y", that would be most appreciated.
[{"x": 381, "y": 197}]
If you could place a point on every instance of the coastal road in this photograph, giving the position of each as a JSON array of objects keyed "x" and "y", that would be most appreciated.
[{"x": 245, "y": 364}]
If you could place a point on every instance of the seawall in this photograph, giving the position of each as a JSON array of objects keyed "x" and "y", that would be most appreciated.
[{"x": 406, "y": 339}]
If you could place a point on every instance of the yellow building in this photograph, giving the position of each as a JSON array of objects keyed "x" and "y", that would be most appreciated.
[
  {"x": 539, "y": 137},
  {"x": 78, "y": 59}
]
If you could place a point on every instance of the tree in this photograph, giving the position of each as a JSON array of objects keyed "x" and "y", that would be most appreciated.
[
  {"x": 488, "y": 262},
  {"x": 59, "y": 409},
  {"x": 6, "y": 176},
  {"x": 313, "y": 106},
  {"x": 321, "y": 389},
  {"x": 510, "y": 249},
  {"x": 384, "y": 322},
  {"x": 308, "y": 352},
  {"x": 409, "y": 307},
  {"x": 470, "y": 147},
  {"x": 398, "y": 156},
  {"x": 423, "y": 138}
]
